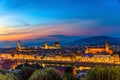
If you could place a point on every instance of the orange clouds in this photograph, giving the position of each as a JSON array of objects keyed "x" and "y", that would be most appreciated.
[{"x": 37, "y": 31}]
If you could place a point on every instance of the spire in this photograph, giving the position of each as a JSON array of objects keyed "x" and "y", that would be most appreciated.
[{"x": 19, "y": 45}]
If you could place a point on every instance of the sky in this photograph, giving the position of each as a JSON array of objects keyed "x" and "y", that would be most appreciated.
[{"x": 29, "y": 19}]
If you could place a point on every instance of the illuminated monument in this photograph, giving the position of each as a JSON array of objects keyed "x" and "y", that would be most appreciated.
[
  {"x": 45, "y": 46},
  {"x": 21, "y": 48},
  {"x": 95, "y": 50},
  {"x": 19, "y": 45},
  {"x": 55, "y": 46}
]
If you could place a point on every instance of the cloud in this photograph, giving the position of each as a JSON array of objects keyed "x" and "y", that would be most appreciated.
[
  {"x": 35, "y": 31},
  {"x": 74, "y": 27},
  {"x": 14, "y": 33},
  {"x": 23, "y": 19}
]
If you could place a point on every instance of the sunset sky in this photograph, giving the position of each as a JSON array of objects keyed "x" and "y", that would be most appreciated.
[{"x": 29, "y": 19}]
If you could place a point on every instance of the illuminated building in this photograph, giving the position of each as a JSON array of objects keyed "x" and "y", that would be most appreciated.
[
  {"x": 19, "y": 45},
  {"x": 74, "y": 71},
  {"x": 7, "y": 64},
  {"x": 45, "y": 46},
  {"x": 55, "y": 46},
  {"x": 21, "y": 48},
  {"x": 115, "y": 59},
  {"x": 95, "y": 50}
]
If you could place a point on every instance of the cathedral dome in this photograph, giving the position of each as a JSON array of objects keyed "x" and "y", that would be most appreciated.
[{"x": 56, "y": 44}]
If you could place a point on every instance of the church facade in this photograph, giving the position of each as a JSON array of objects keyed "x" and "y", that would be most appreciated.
[
  {"x": 55, "y": 46},
  {"x": 96, "y": 50}
]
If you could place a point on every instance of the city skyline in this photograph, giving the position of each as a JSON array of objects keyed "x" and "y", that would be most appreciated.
[{"x": 29, "y": 19}]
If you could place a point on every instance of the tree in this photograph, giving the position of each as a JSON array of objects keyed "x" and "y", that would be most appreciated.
[
  {"x": 7, "y": 76},
  {"x": 23, "y": 65},
  {"x": 12, "y": 55},
  {"x": 68, "y": 75},
  {"x": 68, "y": 70},
  {"x": 26, "y": 72},
  {"x": 36, "y": 66},
  {"x": 46, "y": 74},
  {"x": 107, "y": 73}
]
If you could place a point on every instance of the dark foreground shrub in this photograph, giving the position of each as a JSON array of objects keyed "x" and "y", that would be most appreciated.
[{"x": 106, "y": 73}]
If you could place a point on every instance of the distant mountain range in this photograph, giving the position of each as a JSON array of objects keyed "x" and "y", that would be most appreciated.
[
  {"x": 96, "y": 40},
  {"x": 65, "y": 41},
  {"x": 40, "y": 41}
]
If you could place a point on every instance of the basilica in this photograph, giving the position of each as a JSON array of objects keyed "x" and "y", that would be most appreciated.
[
  {"x": 96, "y": 50},
  {"x": 55, "y": 46}
]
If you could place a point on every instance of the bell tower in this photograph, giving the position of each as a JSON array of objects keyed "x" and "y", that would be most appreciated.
[
  {"x": 19, "y": 45},
  {"x": 45, "y": 45}
]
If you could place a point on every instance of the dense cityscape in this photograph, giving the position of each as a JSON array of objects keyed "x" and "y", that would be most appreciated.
[
  {"x": 79, "y": 59},
  {"x": 59, "y": 39}
]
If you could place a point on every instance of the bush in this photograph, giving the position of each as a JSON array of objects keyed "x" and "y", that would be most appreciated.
[
  {"x": 45, "y": 74},
  {"x": 25, "y": 73},
  {"x": 100, "y": 73},
  {"x": 7, "y": 76},
  {"x": 68, "y": 75}
]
